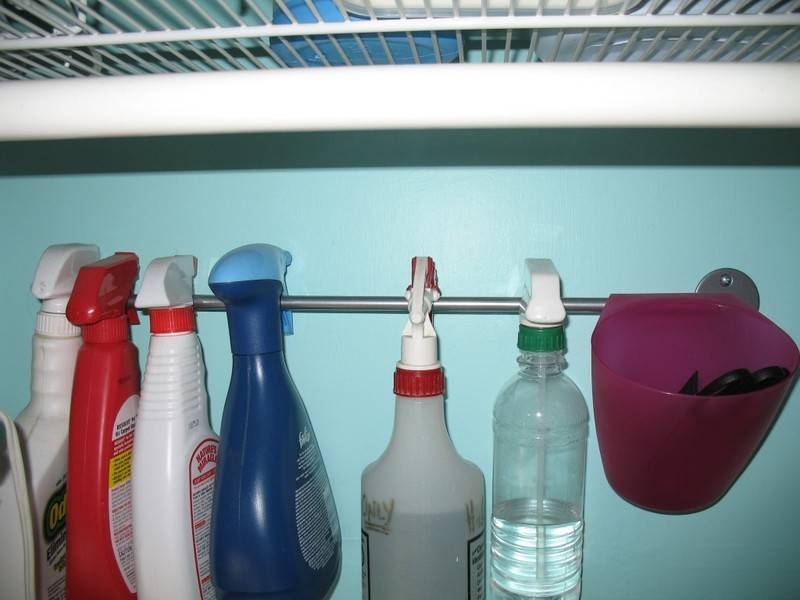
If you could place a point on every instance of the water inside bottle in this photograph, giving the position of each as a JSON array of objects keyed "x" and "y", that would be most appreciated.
[{"x": 536, "y": 550}]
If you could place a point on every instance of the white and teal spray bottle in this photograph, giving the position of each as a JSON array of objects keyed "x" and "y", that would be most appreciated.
[{"x": 44, "y": 422}]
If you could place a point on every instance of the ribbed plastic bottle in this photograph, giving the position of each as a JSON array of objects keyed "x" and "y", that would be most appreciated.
[
  {"x": 44, "y": 422},
  {"x": 540, "y": 432},
  {"x": 422, "y": 505},
  {"x": 174, "y": 450},
  {"x": 102, "y": 419},
  {"x": 274, "y": 531}
]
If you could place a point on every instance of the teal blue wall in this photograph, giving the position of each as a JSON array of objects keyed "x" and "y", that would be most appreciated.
[{"x": 353, "y": 230}]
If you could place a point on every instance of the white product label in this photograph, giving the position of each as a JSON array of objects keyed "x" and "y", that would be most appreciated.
[
  {"x": 202, "y": 469},
  {"x": 476, "y": 567},
  {"x": 476, "y": 549},
  {"x": 120, "y": 510},
  {"x": 365, "y": 591},
  {"x": 52, "y": 543},
  {"x": 315, "y": 512}
]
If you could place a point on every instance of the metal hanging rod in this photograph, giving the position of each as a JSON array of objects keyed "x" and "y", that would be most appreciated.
[
  {"x": 727, "y": 280},
  {"x": 398, "y": 304}
]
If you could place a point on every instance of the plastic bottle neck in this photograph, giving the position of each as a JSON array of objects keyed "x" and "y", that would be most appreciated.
[
  {"x": 254, "y": 315},
  {"x": 420, "y": 383},
  {"x": 173, "y": 320},
  {"x": 55, "y": 325},
  {"x": 540, "y": 364},
  {"x": 419, "y": 423},
  {"x": 174, "y": 378},
  {"x": 107, "y": 331},
  {"x": 52, "y": 370}
]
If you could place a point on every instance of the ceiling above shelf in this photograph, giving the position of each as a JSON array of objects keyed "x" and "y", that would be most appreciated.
[{"x": 53, "y": 39}]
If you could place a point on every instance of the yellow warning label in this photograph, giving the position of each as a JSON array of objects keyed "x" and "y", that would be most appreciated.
[{"x": 119, "y": 468}]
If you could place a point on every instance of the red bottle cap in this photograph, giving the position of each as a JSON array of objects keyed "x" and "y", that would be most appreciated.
[
  {"x": 100, "y": 297},
  {"x": 419, "y": 384},
  {"x": 172, "y": 320}
]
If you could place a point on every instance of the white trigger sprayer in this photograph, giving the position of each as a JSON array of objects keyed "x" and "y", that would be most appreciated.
[
  {"x": 419, "y": 350},
  {"x": 544, "y": 307}
]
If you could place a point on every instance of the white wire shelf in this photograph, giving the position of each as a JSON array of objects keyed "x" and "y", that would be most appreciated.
[
  {"x": 54, "y": 39},
  {"x": 229, "y": 66}
]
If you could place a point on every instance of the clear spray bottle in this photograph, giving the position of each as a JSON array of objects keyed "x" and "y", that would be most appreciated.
[{"x": 540, "y": 432}]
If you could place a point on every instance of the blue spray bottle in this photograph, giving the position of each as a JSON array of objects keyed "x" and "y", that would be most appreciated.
[{"x": 274, "y": 530}]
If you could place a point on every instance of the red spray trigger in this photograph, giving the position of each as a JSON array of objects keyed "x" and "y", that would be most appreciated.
[
  {"x": 133, "y": 316},
  {"x": 423, "y": 291},
  {"x": 431, "y": 278},
  {"x": 103, "y": 289}
]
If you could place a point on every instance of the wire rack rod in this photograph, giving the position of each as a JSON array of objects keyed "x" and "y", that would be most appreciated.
[
  {"x": 402, "y": 26},
  {"x": 398, "y": 304},
  {"x": 719, "y": 281}
]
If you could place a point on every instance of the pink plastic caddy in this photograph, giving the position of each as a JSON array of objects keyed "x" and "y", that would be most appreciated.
[{"x": 672, "y": 452}]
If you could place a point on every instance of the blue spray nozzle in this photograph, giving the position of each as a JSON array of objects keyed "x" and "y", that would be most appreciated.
[
  {"x": 254, "y": 262},
  {"x": 250, "y": 281},
  {"x": 251, "y": 263}
]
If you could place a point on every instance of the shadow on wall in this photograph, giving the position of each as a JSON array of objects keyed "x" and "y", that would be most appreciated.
[{"x": 410, "y": 148}]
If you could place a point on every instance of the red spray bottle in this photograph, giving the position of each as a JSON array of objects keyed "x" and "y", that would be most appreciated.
[{"x": 105, "y": 396}]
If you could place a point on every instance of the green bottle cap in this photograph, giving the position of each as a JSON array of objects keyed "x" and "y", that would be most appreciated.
[{"x": 540, "y": 339}]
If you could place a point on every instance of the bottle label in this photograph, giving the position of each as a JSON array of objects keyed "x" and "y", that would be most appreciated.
[
  {"x": 421, "y": 555},
  {"x": 202, "y": 470},
  {"x": 120, "y": 511},
  {"x": 365, "y": 588},
  {"x": 376, "y": 515},
  {"x": 476, "y": 562},
  {"x": 53, "y": 546},
  {"x": 476, "y": 550},
  {"x": 315, "y": 511}
]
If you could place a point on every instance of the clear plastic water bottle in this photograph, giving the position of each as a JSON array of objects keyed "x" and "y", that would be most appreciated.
[{"x": 540, "y": 432}]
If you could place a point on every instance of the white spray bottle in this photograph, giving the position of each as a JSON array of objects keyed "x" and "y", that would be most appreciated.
[
  {"x": 44, "y": 422},
  {"x": 422, "y": 505},
  {"x": 174, "y": 450}
]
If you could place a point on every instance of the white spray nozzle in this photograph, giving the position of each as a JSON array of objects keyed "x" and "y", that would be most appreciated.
[
  {"x": 544, "y": 308},
  {"x": 56, "y": 273},
  {"x": 168, "y": 282},
  {"x": 419, "y": 343}
]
